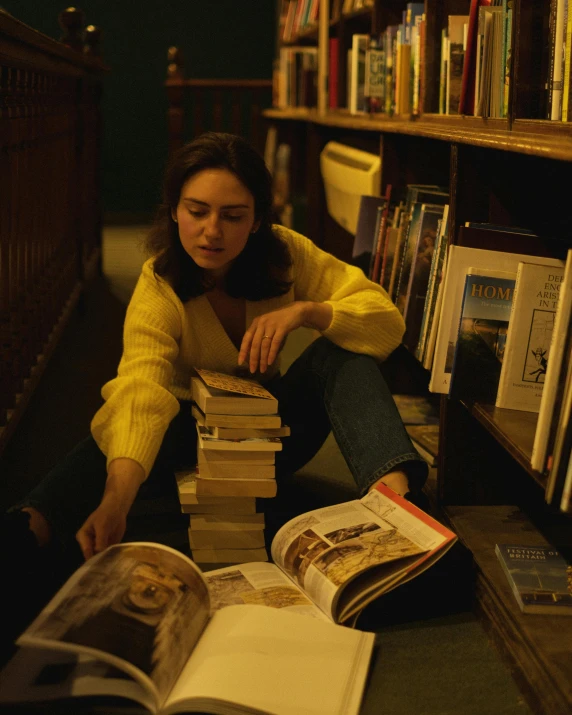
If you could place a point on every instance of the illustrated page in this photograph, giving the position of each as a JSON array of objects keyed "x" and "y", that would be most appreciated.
[
  {"x": 325, "y": 549},
  {"x": 260, "y": 584},
  {"x": 139, "y": 607}
]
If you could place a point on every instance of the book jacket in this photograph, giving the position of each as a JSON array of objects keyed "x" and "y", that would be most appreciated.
[
  {"x": 529, "y": 336},
  {"x": 539, "y": 576},
  {"x": 482, "y": 337}
]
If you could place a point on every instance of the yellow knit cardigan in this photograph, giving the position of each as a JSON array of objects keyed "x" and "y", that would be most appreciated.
[{"x": 164, "y": 339}]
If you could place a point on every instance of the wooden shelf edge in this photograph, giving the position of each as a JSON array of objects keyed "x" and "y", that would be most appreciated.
[
  {"x": 531, "y": 643},
  {"x": 514, "y": 430},
  {"x": 542, "y": 139}
]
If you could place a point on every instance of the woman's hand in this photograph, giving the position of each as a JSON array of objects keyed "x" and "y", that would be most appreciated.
[
  {"x": 103, "y": 527},
  {"x": 106, "y": 525},
  {"x": 265, "y": 336}
]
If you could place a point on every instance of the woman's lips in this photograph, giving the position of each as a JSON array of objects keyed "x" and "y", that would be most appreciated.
[{"x": 209, "y": 249}]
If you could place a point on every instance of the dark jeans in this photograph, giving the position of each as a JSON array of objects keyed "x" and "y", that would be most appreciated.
[{"x": 326, "y": 388}]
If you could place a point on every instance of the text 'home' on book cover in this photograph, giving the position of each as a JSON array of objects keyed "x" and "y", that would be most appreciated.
[{"x": 482, "y": 335}]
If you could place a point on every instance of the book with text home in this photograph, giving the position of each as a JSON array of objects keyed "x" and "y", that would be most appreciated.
[
  {"x": 554, "y": 369},
  {"x": 539, "y": 577},
  {"x": 481, "y": 339},
  {"x": 529, "y": 336},
  {"x": 329, "y": 564},
  {"x": 217, "y": 393},
  {"x": 459, "y": 259}
]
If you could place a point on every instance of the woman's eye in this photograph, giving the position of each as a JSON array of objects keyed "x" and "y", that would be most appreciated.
[{"x": 197, "y": 214}]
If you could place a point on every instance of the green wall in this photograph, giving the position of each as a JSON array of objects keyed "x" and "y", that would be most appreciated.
[{"x": 218, "y": 38}]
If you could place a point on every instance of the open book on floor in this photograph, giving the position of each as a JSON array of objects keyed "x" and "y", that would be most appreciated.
[
  {"x": 144, "y": 609},
  {"x": 137, "y": 622}
]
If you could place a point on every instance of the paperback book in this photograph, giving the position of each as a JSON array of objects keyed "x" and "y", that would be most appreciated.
[
  {"x": 539, "y": 576},
  {"x": 218, "y": 393}
]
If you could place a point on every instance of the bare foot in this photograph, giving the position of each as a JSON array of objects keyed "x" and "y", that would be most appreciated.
[{"x": 396, "y": 480}]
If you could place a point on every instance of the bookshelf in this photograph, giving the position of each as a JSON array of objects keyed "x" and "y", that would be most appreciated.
[{"x": 514, "y": 170}]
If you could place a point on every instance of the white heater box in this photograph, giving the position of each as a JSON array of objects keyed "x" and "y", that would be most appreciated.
[{"x": 348, "y": 174}]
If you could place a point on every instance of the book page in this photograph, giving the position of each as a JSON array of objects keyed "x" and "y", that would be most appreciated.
[
  {"x": 260, "y": 584},
  {"x": 267, "y": 660},
  {"x": 325, "y": 549},
  {"x": 37, "y": 675},
  {"x": 139, "y": 607}
]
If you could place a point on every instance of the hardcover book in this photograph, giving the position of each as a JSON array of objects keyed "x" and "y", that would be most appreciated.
[
  {"x": 529, "y": 336},
  {"x": 369, "y": 216},
  {"x": 459, "y": 259},
  {"x": 481, "y": 340},
  {"x": 554, "y": 369},
  {"x": 191, "y": 648},
  {"x": 540, "y": 578}
]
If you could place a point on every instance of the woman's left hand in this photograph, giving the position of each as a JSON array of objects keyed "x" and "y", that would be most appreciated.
[{"x": 265, "y": 336}]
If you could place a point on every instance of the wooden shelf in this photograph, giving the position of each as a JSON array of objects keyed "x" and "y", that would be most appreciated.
[
  {"x": 551, "y": 140},
  {"x": 537, "y": 646},
  {"x": 514, "y": 430}
]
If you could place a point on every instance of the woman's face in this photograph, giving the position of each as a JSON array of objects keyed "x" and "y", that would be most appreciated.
[{"x": 215, "y": 215}]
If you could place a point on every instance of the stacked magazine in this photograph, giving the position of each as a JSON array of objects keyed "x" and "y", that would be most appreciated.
[{"x": 239, "y": 432}]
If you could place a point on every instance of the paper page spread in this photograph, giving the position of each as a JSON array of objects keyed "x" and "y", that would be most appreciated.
[
  {"x": 140, "y": 607},
  {"x": 260, "y": 584},
  {"x": 324, "y": 549},
  {"x": 265, "y": 659}
]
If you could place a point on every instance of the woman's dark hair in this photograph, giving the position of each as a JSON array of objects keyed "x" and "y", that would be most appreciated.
[{"x": 261, "y": 270}]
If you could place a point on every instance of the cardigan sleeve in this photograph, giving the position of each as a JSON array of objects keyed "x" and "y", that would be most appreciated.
[
  {"x": 138, "y": 403},
  {"x": 364, "y": 318}
]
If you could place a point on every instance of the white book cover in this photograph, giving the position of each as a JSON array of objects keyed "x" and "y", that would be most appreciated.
[
  {"x": 561, "y": 322},
  {"x": 357, "y": 76},
  {"x": 529, "y": 336},
  {"x": 460, "y": 258}
]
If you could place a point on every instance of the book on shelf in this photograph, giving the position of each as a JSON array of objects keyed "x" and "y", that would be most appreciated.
[
  {"x": 333, "y": 72},
  {"x": 459, "y": 259},
  {"x": 539, "y": 577},
  {"x": 467, "y": 96},
  {"x": 356, "y": 96},
  {"x": 380, "y": 236},
  {"x": 567, "y": 73},
  {"x": 218, "y": 393},
  {"x": 425, "y": 439},
  {"x": 369, "y": 217},
  {"x": 435, "y": 271},
  {"x": 374, "y": 89},
  {"x": 529, "y": 335},
  {"x": 560, "y": 435},
  {"x": 490, "y": 66},
  {"x": 433, "y": 318},
  {"x": 141, "y": 621},
  {"x": 555, "y": 370},
  {"x": 557, "y": 28},
  {"x": 481, "y": 338},
  {"x": 431, "y": 215},
  {"x": 456, "y": 25}
]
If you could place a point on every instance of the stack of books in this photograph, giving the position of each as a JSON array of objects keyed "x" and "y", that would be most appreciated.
[{"x": 239, "y": 432}]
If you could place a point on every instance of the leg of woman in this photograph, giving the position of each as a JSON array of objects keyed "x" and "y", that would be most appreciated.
[{"x": 329, "y": 387}]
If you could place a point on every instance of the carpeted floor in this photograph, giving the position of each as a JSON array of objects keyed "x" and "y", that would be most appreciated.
[{"x": 434, "y": 657}]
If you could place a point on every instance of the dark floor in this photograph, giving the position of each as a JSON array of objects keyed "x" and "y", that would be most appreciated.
[{"x": 434, "y": 657}]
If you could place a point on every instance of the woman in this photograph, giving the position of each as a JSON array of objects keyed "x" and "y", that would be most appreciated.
[{"x": 222, "y": 291}]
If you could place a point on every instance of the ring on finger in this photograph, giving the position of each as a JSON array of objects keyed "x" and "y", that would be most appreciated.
[{"x": 266, "y": 337}]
